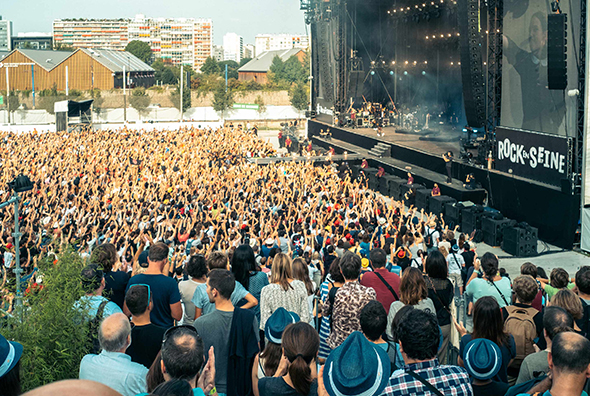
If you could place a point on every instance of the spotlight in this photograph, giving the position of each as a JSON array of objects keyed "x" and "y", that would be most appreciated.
[
  {"x": 21, "y": 184},
  {"x": 426, "y": 37},
  {"x": 372, "y": 72},
  {"x": 425, "y": 62},
  {"x": 391, "y": 72},
  {"x": 452, "y": 63},
  {"x": 423, "y": 73},
  {"x": 406, "y": 62},
  {"x": 406, "y": 73},
  {"x": 393, "y": 63}
]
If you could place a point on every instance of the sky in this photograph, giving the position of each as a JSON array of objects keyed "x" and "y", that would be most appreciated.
[{"x": 244, "y": 17}]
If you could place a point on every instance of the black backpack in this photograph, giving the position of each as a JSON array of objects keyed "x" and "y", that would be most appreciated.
[
  {"x": 93, "y": 326},
  {"x": 428, "y": 240}
]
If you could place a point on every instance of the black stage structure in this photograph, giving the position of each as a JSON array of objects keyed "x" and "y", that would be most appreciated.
[{"x": 449, "y": 73}]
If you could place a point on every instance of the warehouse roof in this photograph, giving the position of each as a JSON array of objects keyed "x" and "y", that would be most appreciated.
[
  {"x": 47, "y": 59},
  {"x": 3, "y": 54},
  {"x": 263, "y": 61},
  {"x": 115, "y": 60}
]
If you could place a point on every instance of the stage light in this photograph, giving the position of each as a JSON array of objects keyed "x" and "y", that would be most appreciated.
[
  {"x": 391, "y": 72},
  {"x": 406, "y": 62},
  {"x": 425, "y": 62},
  {"x": 426, "y": 37},
  {"x": 394, "y": 10},
  {"x": 459, "y": 63},
  {"x": 449, "y": 34},
  {"x": 393, "y": 63},
  {"x": 406, "y": 73},
  {"x": 464, "y": 129},
  {"x": 452, "y": 63},
  {"x": 423, "y": 73},
  {"x": 389, "y": 12},
  {"x": 442, "y": 36},
  {"x": 372, "y": 62},
  {"x": 416, "y": 5},
  {"x": 415, "y": 62},
  {"x": 372, "y": 72}
]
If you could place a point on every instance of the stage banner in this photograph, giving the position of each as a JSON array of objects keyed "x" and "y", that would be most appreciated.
[{"x": 532, "y": 155}]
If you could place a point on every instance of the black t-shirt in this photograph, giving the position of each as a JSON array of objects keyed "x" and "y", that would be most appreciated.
[
  {"x": 492, "y": 389},
  {"x": 468, "y": 257},
  {"x": 145, "y": 343},
  {"x": 443, "y": 297},
  {"x": 269, "y": 386},
  {"x": 115, "y": 286}
]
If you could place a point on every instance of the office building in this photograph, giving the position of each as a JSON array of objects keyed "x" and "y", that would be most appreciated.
[
  {"x": 249, "y": 51},
  {"x": 233, "y": 47},
  {"x": 32, "y": 40},
  {"x": 5, "y": 34},
  {"x": 276, "y": 42}
]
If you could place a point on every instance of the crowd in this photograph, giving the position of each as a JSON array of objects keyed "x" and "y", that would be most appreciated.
[{"x": 206, "y": 274}]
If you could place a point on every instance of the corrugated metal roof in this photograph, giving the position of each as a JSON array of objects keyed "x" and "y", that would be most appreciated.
[
  {"x": 115, "y": 60},
  {"x": 3, "y": 54},
  {"x": 47, "y": 59},
  {"x": 262, "y": 62}
]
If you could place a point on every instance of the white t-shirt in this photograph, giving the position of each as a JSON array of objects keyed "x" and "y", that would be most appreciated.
[{"x": 455, "y": 262}]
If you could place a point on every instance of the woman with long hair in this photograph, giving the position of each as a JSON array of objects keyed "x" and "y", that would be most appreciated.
[
  {"x": 488, "y": 323},
  {"x": 298, "y": 366},
  {"x": 245, "y": 270},
  {"x": 412, "y": 291},
  {"x": 301, "y": 272},
  {"x": 441, "y": 292},
  {"x": 283, "y": 291},
  {"x": 334, "y": 280},
  {"x": 491, "y": 283},
  {"x": 569, "y": 301},
  {"x": 115, "y": 280}
]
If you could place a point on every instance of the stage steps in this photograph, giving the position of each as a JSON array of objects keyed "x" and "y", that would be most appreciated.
[{"x": 381, "y": 150}]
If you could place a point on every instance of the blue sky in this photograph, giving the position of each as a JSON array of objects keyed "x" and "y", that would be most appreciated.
[{"x": 244, "y": 17}]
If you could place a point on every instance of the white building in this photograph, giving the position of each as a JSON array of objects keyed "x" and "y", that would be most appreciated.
[
  {"x": 186, "y": 41},
  {"x": 233, "y": 47},
  {"x": 249, "y": 51},
  {"x": 91, "y": 33},
  {"x": 218, "y": 52},
  {"x": 276, "y": 42},
  {"x": 5, "y": 34}
]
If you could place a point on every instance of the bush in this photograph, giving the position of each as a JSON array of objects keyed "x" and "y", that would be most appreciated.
[
  {"x": 140, "y": 100},
  {"x": 53, "y": 343}
]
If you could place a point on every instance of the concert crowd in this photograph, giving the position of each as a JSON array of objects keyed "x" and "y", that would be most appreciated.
[{"x": 205, "y": 273}]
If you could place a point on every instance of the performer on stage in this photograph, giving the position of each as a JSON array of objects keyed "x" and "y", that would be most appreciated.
[
  {"x": 435, "y": 190},
  {"x": 410, "y": 178},
  {"x": 380, "y": 172},
  {"x": 448, "y": 157},
  {"x": 364, "y": 164}
]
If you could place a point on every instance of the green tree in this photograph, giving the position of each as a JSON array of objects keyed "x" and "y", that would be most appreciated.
[
  {"x": 210, "y": 66},
  {"x": 140, "y": 100},
  {"x": 51, "y": 331},
  {"x": 261, "y": 106},
  {"x": 168, "y": 76},
  {"x": 222, "y": 100},
  {"x": 186, "y": 98},
  {"x": 48, "y": 97},
  {"x": 277, "y": 68},
  {"x": 63, "y": 47},
  {"x": 98, "y": 100},
  {"x": 299, "y": 97},
  {"x": 232, "y": 69},
  {"x": 244, "y": 61},
  {"x": 140, "y": 49}
]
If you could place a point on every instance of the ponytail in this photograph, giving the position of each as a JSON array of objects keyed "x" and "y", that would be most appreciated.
[{"x": 300, "y": 345}]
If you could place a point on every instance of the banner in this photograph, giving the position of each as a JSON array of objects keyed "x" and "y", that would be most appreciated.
[
  {"x": 245, "y": 106},
  {"x": 532, "y": 155}
]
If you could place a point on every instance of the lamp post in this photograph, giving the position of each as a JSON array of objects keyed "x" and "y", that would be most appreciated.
[{"x": 21, "y": 184}]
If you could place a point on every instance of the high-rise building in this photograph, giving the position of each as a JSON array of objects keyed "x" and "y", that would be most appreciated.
[
  {"x": 249, "y": 51},
  {"x": 177, "y": 41},
  {"x": 218, "y": 52},
  {"x": 5, "y": 34},
  {"x": 275, "y": 42},
  {"x": 233, "y": 47},
  {"x": 91, "y": 33},
  {"x": 186, "y": 41}
]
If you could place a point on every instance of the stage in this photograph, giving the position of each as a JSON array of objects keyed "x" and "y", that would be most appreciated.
[{"x": 553, "y": 212}]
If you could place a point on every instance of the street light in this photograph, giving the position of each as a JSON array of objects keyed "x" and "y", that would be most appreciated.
[{"x": 21, "y": 184}]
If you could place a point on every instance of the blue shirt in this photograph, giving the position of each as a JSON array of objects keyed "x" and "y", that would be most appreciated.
[
  {"x": 258, "y": 280},
  {"x": 164, "y": 293},
  {"x": 201, "y": 299},
  {"x": 115, "y": 370},
  {"x": 93, "y": 302}
]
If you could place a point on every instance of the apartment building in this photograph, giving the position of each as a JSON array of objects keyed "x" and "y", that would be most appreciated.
[
  {"x": 276, "y": 42},
  {"x": 109, "y": 34}
]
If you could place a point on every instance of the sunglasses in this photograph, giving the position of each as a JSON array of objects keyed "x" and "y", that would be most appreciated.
[
  {"x": 148, "y": 289},
  {"x": 171, "y": 330}
]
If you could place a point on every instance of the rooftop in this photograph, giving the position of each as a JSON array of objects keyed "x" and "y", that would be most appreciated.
[{"x": 263, "y": 61}]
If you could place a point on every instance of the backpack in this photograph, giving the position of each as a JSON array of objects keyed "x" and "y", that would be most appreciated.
[
  {"x": 521, "y": 325},
  {"x": 93, "y": 326},
  {"x": 428, "y": 239},
  {"x": 332, "y": 298}
]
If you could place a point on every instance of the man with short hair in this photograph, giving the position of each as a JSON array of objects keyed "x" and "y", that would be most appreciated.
[
  {"x": 373, "y": 324},
  {"x": 385, "y": 283},
  {"x": 182, "y": 358},
  {"x": 197, "y": 275},
  {"x": 203, "y": 305},
  {"x": 112, "y": 367},
  {"x": 569, "y": 362},
  {"x": 216, "y": 327},
  {"x": 419, "y": 337},
  {"x": 523, "y": 321},
  {"x": 531, "y": 269},
  {"x": 146, "y": 336},
  {"x": 555, "y": 320},
  {"x": 93, "y": 284},
  {"x": 165, "y": 294},
  {"x": 348, "y": 302}
]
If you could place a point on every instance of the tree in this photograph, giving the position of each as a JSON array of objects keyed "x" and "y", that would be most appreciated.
[
  {"x": 48, "y": 97},
  {"x": 244, "y": 61},
  {"x": 186, "y": 98},
  {"x": 210, "y": 66},
  {"x": 51, "y": 331},
  {"x": 232, "y": 69},
  {"x": 13, "y": 103},
  {"x": 261, "y": 106},
  {"x": 140, "y": 49},
  {"x": 63, "y": 47},
  {"x": 293, "y": 70},
  {"x": 140, "y": 100},
  {"x": 277, "y": 68},
  {"x": 222, "y": 100},
  {"x": 98, "y": 100},
  {"x": 298, "y": 97}
]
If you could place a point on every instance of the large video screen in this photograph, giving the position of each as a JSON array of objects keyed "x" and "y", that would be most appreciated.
[{"x": 527, "y": 103}]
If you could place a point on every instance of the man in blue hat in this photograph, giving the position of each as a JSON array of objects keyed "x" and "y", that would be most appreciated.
[
  {"x": 419, "y": 338},
  {"x": 10, "y": 354},
  {"x": 482, "y": 359}
]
